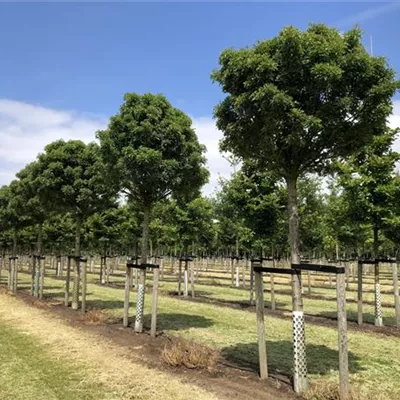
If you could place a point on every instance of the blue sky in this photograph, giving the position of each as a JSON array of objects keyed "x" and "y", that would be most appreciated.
[{"x": 65, "y": 66}]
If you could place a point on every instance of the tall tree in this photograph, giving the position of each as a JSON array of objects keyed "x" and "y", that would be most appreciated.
[
  {"x": 297, "y": 101},
  {"x": 70, "y": 179},
  {"x": 372, "y": 188},
  {"x": 152, "y": 152}
]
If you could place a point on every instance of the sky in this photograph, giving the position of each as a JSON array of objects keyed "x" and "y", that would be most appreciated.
[{"x": 64, "y": 67}]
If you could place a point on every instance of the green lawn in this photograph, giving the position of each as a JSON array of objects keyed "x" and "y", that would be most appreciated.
[{"x": 28, "y": 371}]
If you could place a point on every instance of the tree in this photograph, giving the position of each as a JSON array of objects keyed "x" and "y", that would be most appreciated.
[
  {"x": 312, "y": 208},
  {"x": 13, "y": 219},
  {"x": 254, "y": 200},
  {"x": 299, "y": 100},
  {"x": 370, "y": 183},
  {"x": 152, "y": 153},
  {"x": 372, "y": 189},
  {"x": 70, "y": 179}
]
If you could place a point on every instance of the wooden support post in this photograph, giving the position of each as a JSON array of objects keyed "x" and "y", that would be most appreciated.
[
  {"x": 9, "y": 274},
  {"x": 342, "y": 336},
  {"x": 67, "y": 282},
  {"x": 154, "y": 303},
  {"x": 180, "y": 278},
  {"x": 128, "y": 279},
  {"x": 75, "y": 288},
  {"x": 359, "y": 293},
  {"x": 347, "y": 269},
  {"x": 84, "y": 286},
  {"x": 42, "y": 267},
  {"x": 251, "y": 284},
  {"x": 262, "y": 349},
  {"x": 91, "y": 264},
  {"x": 244, "y": 273},
  {"x": 237, "y": 274},
  {"x": 101, "y": 270},
  {"x": 232, "y": 271},
  {"x": 273, "y": 305},
  {"x": 15, "y": 283},
  {"x": 186, "y": 280},
  {"x": 32, "y": 275},
  {"x": 192, "y": 277},
  {"x": 309, "y": 281},
  {"x": 396, "y": 291}
]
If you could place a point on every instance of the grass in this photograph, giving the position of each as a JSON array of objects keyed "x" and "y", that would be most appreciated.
[
  {"x": 28, "y": 371},
  {"x": 42, "y": 357},
  {"x": 374, "y": 359}
]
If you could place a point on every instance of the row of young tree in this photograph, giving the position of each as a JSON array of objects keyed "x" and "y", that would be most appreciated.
[{"x": 302, "y": 104}]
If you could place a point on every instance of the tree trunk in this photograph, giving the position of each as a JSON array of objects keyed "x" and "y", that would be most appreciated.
[
  {"x": 299, "y": 344},
  {"x": 75, "y": 289},
  {"x": 142, "y": 275}
]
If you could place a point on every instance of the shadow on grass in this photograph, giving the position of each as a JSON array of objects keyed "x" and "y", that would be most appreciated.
[
  {"x": 320, "y": 359},
  {"x": 177, "y": 322},
  {"x": 368, "y": 318},
  {"x": 23, "y": 286},
  {"x": 105, "y": 304}
]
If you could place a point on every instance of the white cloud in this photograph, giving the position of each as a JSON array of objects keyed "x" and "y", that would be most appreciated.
[
  {"x": 369, "y": 14},
  {"x": 210, "y": 136},
  {"x": 25, "y": 130}
]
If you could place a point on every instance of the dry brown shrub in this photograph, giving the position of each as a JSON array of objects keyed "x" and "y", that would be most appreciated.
[
  {"x": 40, "y": 304},
  {"x": 330, "y": 391},
  {"x": 95, "y": 316},
  {"x": 190, "y": 355}
]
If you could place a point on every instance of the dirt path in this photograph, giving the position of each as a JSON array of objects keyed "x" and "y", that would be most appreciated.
[{"x": 127, "y": 363}]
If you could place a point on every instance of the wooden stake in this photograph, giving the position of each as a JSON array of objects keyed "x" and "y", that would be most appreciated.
[
  {"x": 273, "y": 305},
  {"x": 342, "y": 336},
  {"x": 42, "y": 267},
  {"x": 359, "y": 292},
  {"x": 251, "y": 284},
  {"x": 192, "y": 278},
  {"x": 67, "y": 282},
  {"x": 154, "y": 303},
  {"x": 186, "y": 280},
  {"x": 84, "y": 286},
  {"x": 128, "y": 279},
  {"x": 396, "y": 292},
  {"x": 262, "y": 349},
  {"x": 180, "y": 278}
]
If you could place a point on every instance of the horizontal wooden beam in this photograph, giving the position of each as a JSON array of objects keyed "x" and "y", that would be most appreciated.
[
  {"x": 141, "y": 266},
  {"x": 330, "y": 269},
  {"x": 272, "y": 270}
]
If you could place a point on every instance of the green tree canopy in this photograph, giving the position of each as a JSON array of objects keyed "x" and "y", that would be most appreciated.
[{"x": 299, "y": 100}]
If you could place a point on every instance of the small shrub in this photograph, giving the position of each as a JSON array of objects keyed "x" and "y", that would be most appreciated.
[
  {"x": 40, "y": 304},
  {"x": 190, "y": 355},
  {"x": 330, "y": 391}
]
